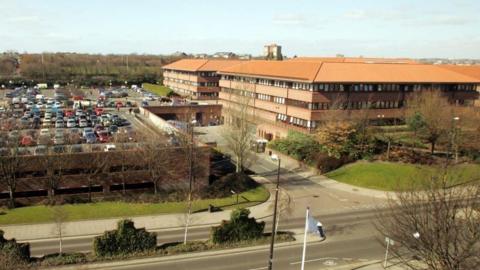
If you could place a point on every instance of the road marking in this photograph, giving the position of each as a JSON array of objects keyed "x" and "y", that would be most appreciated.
[
  {"x": 314, "y": 260},
  {"x": 258, "y": 268}
]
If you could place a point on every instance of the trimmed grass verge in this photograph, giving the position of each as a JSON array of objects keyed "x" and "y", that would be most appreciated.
[
  {"x": 43, "y": 214},
  {"x": 390, "y": 176},
  {"x": 157, "y": 89}
]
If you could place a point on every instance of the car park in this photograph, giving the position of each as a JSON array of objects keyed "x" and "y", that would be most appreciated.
[
  {"x": 86, "y": 131},
  {"x": 113, "y": 129},
  {"x": 98, "y": 111}
]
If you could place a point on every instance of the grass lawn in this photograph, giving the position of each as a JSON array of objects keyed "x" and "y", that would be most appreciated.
[
  {"x": 40, "y": 214},
  {"x": 157, "y": 89},
  {"x": 390, "y": 176}
]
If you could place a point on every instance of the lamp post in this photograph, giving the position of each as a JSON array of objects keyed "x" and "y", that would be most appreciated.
[
  {"x": 454, "y": 137},
  {"x": 272, "y": 242},
  {"x": 234, "y": 193}
]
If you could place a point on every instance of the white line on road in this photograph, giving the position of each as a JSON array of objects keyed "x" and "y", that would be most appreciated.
[
  {"x": 258, "y": 268},
  {"x": 315, "y": 260}
]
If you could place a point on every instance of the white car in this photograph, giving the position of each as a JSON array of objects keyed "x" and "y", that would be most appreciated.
[
  {"x": 83, "y": 123},
  {"x": 109, "y": 147},
  {"x": 58, "y": 139},
  {"x": 71, "y": 123}
]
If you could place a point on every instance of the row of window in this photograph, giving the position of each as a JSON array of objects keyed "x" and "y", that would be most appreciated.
[
  {"x": 201, "y": 74},
  {"x": 329, "y": 87},
  {"x": 296, "y": 121},
  {"x": 320, "y": 105},
  {"x": 207, "y": 84}
]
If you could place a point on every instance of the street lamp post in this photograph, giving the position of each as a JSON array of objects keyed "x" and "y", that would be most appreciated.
[
  {"x": 454, "y": 137},
  {"x": 272, "y": 242},
  {"x": 234, "y": 193}
]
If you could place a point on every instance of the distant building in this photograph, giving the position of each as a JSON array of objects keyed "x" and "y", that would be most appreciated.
[
  {"x": 245, "y": 56},
  {"x": 226, "y": 55},
  {"x": 273, "y": 52},
  {"x": 179, "y": 54},
  {"x": 201, "y": 55}
]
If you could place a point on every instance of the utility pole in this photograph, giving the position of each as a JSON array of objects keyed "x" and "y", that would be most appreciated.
[{"x": 272, "y": 241}]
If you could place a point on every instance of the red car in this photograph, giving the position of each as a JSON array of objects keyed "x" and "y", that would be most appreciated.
[
  {"x": 98, "y": 111},
  {"x": 69, "y": 113},
  {"x": 118, "y": 104},
  {"x": 26, "y": 141},
  {"x": 103, "y": 136}
]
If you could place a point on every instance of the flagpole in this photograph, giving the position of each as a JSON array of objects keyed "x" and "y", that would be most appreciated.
[{"x": 305, "y": 239}]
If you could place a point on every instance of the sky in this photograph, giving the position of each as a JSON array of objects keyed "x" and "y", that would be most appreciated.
[{"x": 370, "y": 28}]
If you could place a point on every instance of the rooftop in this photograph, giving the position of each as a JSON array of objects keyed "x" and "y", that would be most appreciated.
[
  {"x": 350, "y": 70},
  {"x": 201, "y": 64}
]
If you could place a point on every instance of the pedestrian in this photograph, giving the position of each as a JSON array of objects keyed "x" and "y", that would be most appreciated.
[
  {"x": 118, "y": 108},
  {"x": 130, "y": 110},
  {"x": 320, "y": 230}
]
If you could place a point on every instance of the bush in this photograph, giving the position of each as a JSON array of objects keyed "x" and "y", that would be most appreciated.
[
  {"x": 300, "y": 146},
  {"x": 184, "y": 248},
  {"x": 64, "y": 259},
  {"x": 124, "y": 240},
  {"x": 325, "y": 163},
  {"x": 14, "y": 250},
  {"x": 239, "y": 182},
  {"x": 239, "y": 228}
]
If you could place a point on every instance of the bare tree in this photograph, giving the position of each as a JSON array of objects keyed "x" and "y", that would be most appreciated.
[
  {"x": 155, "y": 156},
  {"x": 55, "y": 165},
  {"x": 96, "y": 169},
  {"x": 10, "y": 165},
  {"x": 60, "y": 215},
  {"x": 239, "y": 131},
  {"x": 435, "y": 223},
  {"x": 435, "y": 114}
]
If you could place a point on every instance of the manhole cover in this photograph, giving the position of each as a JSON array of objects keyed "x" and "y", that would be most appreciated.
[{"x": 330, "y": 262}]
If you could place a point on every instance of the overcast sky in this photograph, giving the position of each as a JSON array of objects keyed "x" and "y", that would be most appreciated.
[{"x": 384, "y": 28}]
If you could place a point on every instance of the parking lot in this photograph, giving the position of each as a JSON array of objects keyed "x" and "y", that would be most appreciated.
[{"x": 60, "y": 121}]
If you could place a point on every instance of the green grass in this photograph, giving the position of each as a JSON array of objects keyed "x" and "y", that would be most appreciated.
[
  {"x": 41, "y": 214},
  {"x": 157, "y": 89},
  {"x": 391, "y": 176}
]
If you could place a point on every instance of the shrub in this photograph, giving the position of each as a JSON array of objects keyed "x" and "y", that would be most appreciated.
[
  {"x": 64, "y": 259},
  {"x": 12, "y": 249},
  {"x": 124, "y": 240},
  {"x": 325, "y": 163},
  {"x": 300, "y": 146},
  {"x": 240, "y": 227},
  {"x": 239, "y": 182},
  {"x": 184, "y": 248}
]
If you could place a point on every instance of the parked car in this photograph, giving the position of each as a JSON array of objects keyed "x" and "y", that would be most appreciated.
[
  {"x": 82, "y": 123},
  {"x": 71, "y": 123},
  {"x": 86, "y": 131},
  {"x": 103, "y": 136},
  {"x": 113, "y": 129},
  {"x": 109, "y": 147},
  {"x": 27, "y": 141},
  {"x": 76, "y": 148},
  {"x": 98, "y": 111},
  {"x": 40, "y": 150},
  {"x": 90, "y": 138},
  {"x": 59, "y": 149},
  {"x": 59, "y": 124},
  {"x": 58, "y": 139}
]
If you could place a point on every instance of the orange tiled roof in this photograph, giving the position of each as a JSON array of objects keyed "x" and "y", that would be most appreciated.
[
  {"x": 201, "y": 64},
  {"x": 355, "y": 60},
  {"x": 317, "y": 71},
  {"x": 468, "y": 70}
]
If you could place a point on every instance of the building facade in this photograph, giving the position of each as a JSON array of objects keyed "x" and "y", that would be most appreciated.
[
  {"x": 273, "y": 52},
  {"x": 196, "y": 78},
  {"x": 298, "y": 94}
]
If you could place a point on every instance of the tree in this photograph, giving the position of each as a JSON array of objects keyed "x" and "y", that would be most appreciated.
[
  {"x": 55, "y": 164},
  {"x": 239, "y": 227},
  {"x": 96, "y": 168},
  {"x": 336, "y": 137},
  {"x": 435, "y": 222},
  {"x": 126, "y": 239},
  {"x": 60, "y": 215},
  {"x": 238, "y": 131},
  {"x": 10, "y": 165},
  {"x": 157, "y": 161},
  {"x": 432, "y": 114},
  {"x": 415, "y": 122},
  {"x": 13, "y": 255}
]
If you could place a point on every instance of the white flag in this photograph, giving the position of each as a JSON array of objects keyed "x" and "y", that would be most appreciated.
[{"x": 312, "y": 225}]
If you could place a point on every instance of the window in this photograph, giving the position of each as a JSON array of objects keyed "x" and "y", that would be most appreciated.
[{"x": 279, "y": 100}]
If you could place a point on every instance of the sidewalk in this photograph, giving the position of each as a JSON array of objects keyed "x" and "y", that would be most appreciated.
[
  {"x": 152, "y": 223},
  {"x": 295, "y": 166}
]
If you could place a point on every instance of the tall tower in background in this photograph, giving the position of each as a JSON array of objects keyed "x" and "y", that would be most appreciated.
[{"x": 273, "y": 52}]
